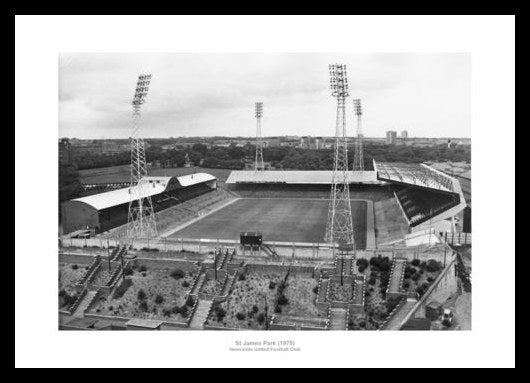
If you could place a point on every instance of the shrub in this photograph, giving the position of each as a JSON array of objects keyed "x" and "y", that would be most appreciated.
[
  {"x": 416, "y": 277},
  {"x": 255, "y": 309},
  {"x": 220, "y": 313},
  {"x": 242, "y": 277},
  {"x": 315, "y": 290},
  {"x": 62, "y": 293},
  {"x": 261, "y": 318},
  {"x": 142, "y": 269},
  {"x": 185, "y": 284},
  {"x": 143, "y": 306},
  {"x": 433, "y": 266},
  {"x": 190, "y": 301},
  {"x": 177, "y": 274},
  {"x": 422, "y": 289},
  {"x": 278, "y": 310},
  {"x": 75, "y": 267},
  {"x": 184, "y": 311},
  {"x": 391, "y": 303},
  {"x": 240, "y": 316},
  {"x": 122, "y": 288},
  {"x": 372, "y": 281},
  {"x": 362, "y": 264},
  {"x": 272, "y": 285},
  {"x": 430, "y": 279},
  {"x": 159, "y": 299},
  {"x": 282, "y": 300},
  {"x": 141, "y": 295},
  {"x": 128, "y": 270},
  {"x": 415, "y": 262},
  {"x": 175, "y": 310},
  {"x": 166, "y": 312},
  {"x": 406, "y": 285}
]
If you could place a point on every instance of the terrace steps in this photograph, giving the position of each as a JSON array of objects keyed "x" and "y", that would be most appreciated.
[
  {"x": 228, "y": 284},
  {"x": 398, "y": 268},
  {"x": 83, "y": 306},
  {"x": 338, "y": 319},
  {"x": 198, "y": 285},
  {"x": 322, "y": 292},
  {"x": 201, "y": 314}
]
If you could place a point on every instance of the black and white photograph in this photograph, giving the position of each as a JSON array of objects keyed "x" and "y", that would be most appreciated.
[{"x": 264, "y": 201}]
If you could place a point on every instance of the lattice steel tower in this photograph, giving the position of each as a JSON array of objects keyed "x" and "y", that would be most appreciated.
[
  {"x": 358, "y": 159},
  {"x": 340, "y": 224},
  {"x": 141, "y": 218},
  {"x": 259, "y": 165}
]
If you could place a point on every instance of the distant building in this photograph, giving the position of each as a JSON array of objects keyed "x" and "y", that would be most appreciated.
[
  {"x": 391, "y": 137},
  {"x": 404, "y": 134},
  {"x": 65, "y": 152}
]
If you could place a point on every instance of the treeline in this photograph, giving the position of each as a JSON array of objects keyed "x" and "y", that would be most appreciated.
[{"x": 234, "y": 157}]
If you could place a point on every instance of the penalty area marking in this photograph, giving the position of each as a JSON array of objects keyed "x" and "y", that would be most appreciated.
[{"x": 170, "y": 232}]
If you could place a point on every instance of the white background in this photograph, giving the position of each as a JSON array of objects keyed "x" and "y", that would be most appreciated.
[{"x": 489, "y": 39}]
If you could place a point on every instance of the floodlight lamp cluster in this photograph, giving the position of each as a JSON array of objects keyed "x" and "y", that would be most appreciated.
[
  {"x": 357, "y": 107},
  {"x": 338, "y": 80},
  {"x": 259, "y": 109},
  {"x": 142, "y": 86}
]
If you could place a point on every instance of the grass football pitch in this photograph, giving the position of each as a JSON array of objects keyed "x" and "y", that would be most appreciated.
[{"x": 279, "y": 219}]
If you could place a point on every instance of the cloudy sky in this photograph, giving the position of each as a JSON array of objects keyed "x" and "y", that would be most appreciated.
[{"x": 210, "y": 94}]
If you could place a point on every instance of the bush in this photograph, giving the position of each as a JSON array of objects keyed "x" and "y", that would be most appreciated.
[
  {"x": 177, "y": 274},
  {"x": 75, "y": 267},
  {"x": 190, "y": 301},
  {"x": 128, "y": 270},
  {"x": 142, "y": 269},
  {"x": 141, "y": 295},
  {"x": 143, "y": 306},
  {"x": 315, "y": 290},
  {"x": 430, "y": 279},
  {"x": 122, "y": 288},
  {"x": 372, "y": 281},
  {"x": 422, "y": 289},
  {"x": 261, "y": 318},
  {"x": 278, "y": 310},
  {"x": 166, "y": 312},
  {"x": 272, "y": 285},
  {"x": 184, "y": 311},
  {"x": 255, "y": 309},
  {"x": 282, "y": 300},
  {"x": 406, "y": 285},
  {"x": 433, "y": 266},
  {"x": 240, "y": 316},
  {"x": 159, "y": 299},
  {"x": 416, "y": 277},
  {"x": 220, "y": 313},
  {"x": 62, "y": 293},
  {"x": 242, "y": 277},
  {"x": 415, "y": 262},
  {"x": 380, "y": 263},
  {"x": 362, "y": 264}
]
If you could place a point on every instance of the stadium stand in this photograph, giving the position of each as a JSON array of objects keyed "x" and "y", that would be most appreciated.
[
  {"x": 420, "y": 205},
  {"x": 414, "y": 174},
  {"x": 105, "y": 211}
]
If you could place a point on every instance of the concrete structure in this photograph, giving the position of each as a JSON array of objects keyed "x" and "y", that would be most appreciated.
[
  {"x": 391, "y": 137},
  {"x": 104, "y": 211},
  {"x": 323, "y": 177}
]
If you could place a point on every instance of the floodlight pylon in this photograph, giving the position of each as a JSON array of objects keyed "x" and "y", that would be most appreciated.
[
  {"x": 259, "y": 164},
  {"x": 141, "y": 221},
  {"x": 358, "y": 159},
  {"x": 339, "y": 228}
]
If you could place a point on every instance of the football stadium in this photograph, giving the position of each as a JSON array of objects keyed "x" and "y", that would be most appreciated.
[{"x": 284, "y": 206}]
